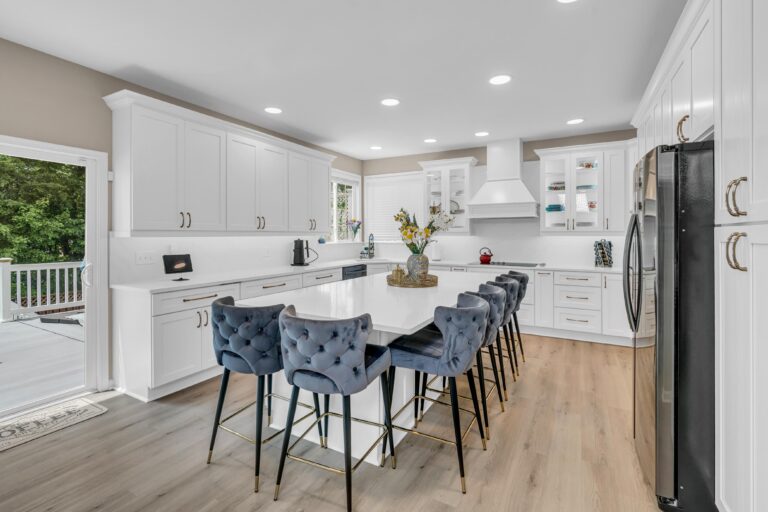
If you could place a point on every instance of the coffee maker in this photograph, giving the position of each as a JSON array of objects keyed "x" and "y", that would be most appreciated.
[{"x": 301, "y": 252}]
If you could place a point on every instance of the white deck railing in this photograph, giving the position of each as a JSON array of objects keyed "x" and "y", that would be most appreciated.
[{"x": 30, "y": 288}]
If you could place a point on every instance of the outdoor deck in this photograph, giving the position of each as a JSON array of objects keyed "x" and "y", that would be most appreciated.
[{"x": 39, "y": 360}]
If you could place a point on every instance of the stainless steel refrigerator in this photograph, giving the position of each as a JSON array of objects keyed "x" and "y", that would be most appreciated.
[{"x": 669, "y": 296}]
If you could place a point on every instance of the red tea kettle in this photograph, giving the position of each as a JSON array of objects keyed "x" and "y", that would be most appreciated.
[{"x": 485, "y": 256}]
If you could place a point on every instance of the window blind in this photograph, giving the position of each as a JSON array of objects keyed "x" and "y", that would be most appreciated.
[{"x": 385, "y": 195}]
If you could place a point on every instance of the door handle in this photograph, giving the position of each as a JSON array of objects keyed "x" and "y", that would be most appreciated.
[
  {"x": 182, "y": 219},
  {"x": 189, "y": 220},
  {"x": 680, "y": 135},
  {"x": 199, "y": 319},
  {"x": 206, "y": 318},
  {"x": 736, "y": 264},
  {"x": 736, "y": 210}
]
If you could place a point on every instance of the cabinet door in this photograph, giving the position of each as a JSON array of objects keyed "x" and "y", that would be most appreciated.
[
  {"x": 298, "y": 190},
  {"x": 242, "y": 183},
  {"x": 586, "y": 189},
  {"x": 615, "y": 321},
  {"x": 555, "y": 198},
  {"x": 320, "y": 199},
  {"x": 665, "y": 102},
  {"x": 272, "y": 188},
  {"x": 545, "y": 302},
  {"x": 175, "y": 346},
  {"x": 205, "y": 178},
  {"x": 742, "y": 371},
  {"x": 702, "y": 77},
  {"x": 156, "y": 171},
  {"x": 207, "y": 355},
  {"x": 681, "y": 97},
  {"x": 615, "y": 177}
]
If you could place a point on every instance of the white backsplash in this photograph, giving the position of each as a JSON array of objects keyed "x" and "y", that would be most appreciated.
[
  {"x": 212, "y": 255},
  {"x": 514, "y": 240}
]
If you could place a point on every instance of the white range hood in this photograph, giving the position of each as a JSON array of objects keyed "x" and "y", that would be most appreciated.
[{"x": 503, "y": 195}]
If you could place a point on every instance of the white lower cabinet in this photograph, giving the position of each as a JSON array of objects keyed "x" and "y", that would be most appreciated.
[
  {"x": 578, "y": 320},
  {"x": 208, "y": 357},
  {"x": 269, "y": 285},
  {"x": 544, "y": 310},
  {"x": 176, "y": 345},
  {"x": 615, "y": 322},
  {"x": 320, "y": 277},
  {"x": 742, "y": 368}
]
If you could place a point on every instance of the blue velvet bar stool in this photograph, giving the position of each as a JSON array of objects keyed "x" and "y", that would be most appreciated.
[
  {"x": 510, "y": 287},
  {"x": 449, "y": 352},
  {"x": 333, "y": 357},
  {"x": 507, "y": 327},
  {"x": 523, "y": 278},
  {"x": 247, "y": 340}
]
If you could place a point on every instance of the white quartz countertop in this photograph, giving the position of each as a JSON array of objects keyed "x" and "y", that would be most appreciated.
[{"x": 393, "y": 310}]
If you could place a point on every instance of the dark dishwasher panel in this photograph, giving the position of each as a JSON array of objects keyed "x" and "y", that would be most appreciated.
[{"x": 354, "y": 271}]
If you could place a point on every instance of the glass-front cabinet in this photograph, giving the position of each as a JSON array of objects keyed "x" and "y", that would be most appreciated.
[
  {"x": 447, "y": 189},
  {"x": 584, "y": 188}
]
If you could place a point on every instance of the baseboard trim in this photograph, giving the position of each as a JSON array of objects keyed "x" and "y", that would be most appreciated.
[{"x": 578, "y": 336}]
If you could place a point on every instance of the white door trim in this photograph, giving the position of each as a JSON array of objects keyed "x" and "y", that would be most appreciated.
[{"x": 97, "y": 244}]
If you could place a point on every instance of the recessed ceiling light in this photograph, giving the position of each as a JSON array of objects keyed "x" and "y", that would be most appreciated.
[
  {"x": 273, "y": 110},
  {"x": 375, "y": 148},
  {"x": 430, "y": 141},
  {"x": 390, "y": 102},
  {"x": 481, "y": 134},
  {"x": 500, "y": 79},
  {"x": 576, "y": 121},
  {"x": 566, "y": 1}
]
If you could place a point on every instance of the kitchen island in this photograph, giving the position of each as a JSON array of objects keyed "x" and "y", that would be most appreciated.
[{"x": 394, "y": 312}]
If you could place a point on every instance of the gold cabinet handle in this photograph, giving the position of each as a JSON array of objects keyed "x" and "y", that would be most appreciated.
[
  {"x": 680, "y": 135},
  {"x": 324, "y": 277},
  {"x": 212, "y": 296},
  {"x": 579, "y": 298},
  {"x": 189, "y": 220},
  {"x": 728, "y": 207},
  {"x": 577, "y": 320},
  {"x": 268, "y": 286},
  {"x": 182, "y": 219},
  {"x": 736, "y": 264},
  {"x": 206, "y": 318},
  {"x": 728, "y": 250},
  {"x": 264, "y": 225},
  {"x": 737, "y": 211},
  {"x": 199, "y": 319},
  {"x": 577, "y": 278}
]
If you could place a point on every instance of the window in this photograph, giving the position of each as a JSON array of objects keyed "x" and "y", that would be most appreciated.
[
  {"x": 385, "y": 195},
  {"x": 345, "y": 205}
]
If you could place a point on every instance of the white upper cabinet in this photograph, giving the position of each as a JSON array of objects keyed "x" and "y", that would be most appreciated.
[
  {"x": 204, "y": 178},
  {"x": 678, "y": 105},
  {"x": 585, "y": 188},
  {"x": 742, "y": 134},
  {"x": 448, "y": 189},
  {"x": 177, "y": 171}
]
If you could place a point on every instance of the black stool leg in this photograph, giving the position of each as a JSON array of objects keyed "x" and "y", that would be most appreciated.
[
  {"x": 219, "y": 407},
  {"x": 519, "y": 337},
  {"x": 445, "y": 383},
  {"x": 286, "y": 436},
  {"x": 481, "y": 376},
  {"x": 478, "y": 418},
  {"x": 385, "y": 393},
  {"x": 509, "y": 334},
  {"x": 416, "y": 393},
  {"x": 318, "y": 413},
  {"x": 347, "y": 415},
  {"x": 391, "y": 382},
  {"x": 457, "y": 430},
  {"x": 327, "y": 408},
  {"x": 259, "y": 420},
  {"x": 496, "y": 376},
  {"x": 501, "y": 365},
  {"x": 423, "y": 393},
  {"x": 269, "y": 399}
]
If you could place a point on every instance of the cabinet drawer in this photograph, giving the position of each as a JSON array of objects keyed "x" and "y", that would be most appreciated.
[
  {"x": 269, "y": 285},
  {"x": 525, "y": 314},
  {"x": 171, "y": 302},
  {"x": 320, "y": 277},
  {"x": 578, "y": 297},
  {"x": 578, "y": 320},
  {"x": 578, "y": 279}
]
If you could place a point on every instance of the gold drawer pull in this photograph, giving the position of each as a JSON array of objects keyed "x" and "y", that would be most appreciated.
[
  {"x": 201, "y": 298},
  {"x": 577, "y": 320},
  {"x": 577, "y": 278},
  {"x": 324, "y": 277},
  {"x": 273, "y": 286},
  {"x": 580, "y": 298}
]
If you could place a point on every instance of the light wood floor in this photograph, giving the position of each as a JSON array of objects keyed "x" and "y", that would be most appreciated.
[{"x": 564, "y": 444}]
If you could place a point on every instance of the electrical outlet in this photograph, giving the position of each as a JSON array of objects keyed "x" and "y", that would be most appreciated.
[{"x": 144, "y": 258}]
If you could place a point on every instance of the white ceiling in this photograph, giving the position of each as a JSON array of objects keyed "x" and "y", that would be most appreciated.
[{"x": 328, "y": 63}]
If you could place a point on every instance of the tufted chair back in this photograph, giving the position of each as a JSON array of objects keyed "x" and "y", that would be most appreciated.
[
  {"x": 523, "y": 278},
  {"x": 246, "y": 340},
  {"x": 463, "y": 330},
  {"x": 511, "y": 288},
  {"x": 332, "y": 350},
  {"x": 497, "y": 299}
]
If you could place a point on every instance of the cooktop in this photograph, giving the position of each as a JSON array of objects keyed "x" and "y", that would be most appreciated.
[{"x": 514, "y": 264}]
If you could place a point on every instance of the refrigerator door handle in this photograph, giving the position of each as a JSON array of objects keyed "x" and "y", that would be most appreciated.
[{"x": 628, "y": 248}]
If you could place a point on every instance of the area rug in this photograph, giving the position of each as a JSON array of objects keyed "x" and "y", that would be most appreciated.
[{"x": 33, "y": 425}]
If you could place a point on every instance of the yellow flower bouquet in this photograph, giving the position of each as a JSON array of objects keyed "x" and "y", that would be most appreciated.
[{"x": 415, "y": 238}]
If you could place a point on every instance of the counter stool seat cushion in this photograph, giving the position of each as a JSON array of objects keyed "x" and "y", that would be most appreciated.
[{"x": 377, "y": 360}]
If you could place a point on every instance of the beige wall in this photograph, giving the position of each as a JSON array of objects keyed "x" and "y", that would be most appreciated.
[
  {"x": 48, "y": 99},
  {"x": 411, "y": 162}
]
